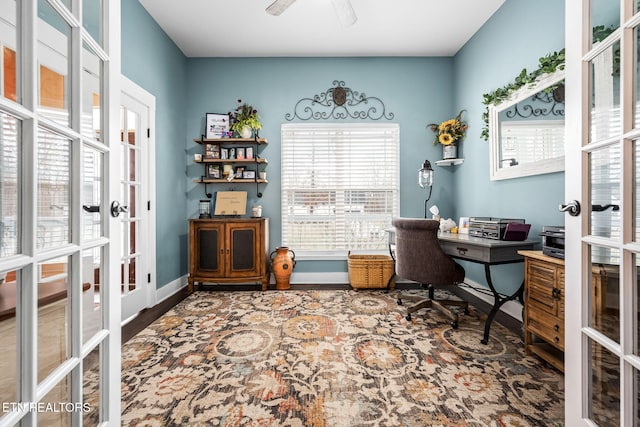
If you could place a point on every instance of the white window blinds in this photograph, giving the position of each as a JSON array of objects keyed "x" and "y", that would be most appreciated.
[{"x": 340, "y": 185}]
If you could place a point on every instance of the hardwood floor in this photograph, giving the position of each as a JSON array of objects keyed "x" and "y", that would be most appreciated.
[{"x": 147, "y": 316}]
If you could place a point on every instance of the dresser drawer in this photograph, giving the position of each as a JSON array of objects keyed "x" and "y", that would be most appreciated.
[{"x": 545, "y": 326}]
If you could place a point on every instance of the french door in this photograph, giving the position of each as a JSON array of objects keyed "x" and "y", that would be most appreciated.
[
  {"x": 602, "y": 363},
  {"x": 137, "y": 223},
  {"x": 59, "y": 246}
]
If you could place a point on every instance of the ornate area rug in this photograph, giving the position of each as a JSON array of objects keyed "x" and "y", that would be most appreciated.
[{"x": 330, "y": 358}]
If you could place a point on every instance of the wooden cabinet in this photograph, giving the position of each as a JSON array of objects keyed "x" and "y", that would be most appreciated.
[
  {"x": 544, "y": 285},
  {"x": 228, "y": 251}
]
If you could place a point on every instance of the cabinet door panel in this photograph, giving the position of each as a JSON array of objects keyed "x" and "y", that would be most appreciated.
[
  {"x": 206, "y": 243},
  {"x": 243, "y": 243},
  {"x": 540, "y": 286},
  {"x": 244, "y": 259},
  {"x": 209, "y": 248}
]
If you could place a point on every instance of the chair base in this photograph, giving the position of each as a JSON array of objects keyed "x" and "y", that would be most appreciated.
[{"x": 442, "y": 305}]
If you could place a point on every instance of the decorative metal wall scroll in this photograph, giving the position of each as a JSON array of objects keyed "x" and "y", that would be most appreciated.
[
  {"x": 339, "y": 102},
  {"x": 544, "y": 103}
]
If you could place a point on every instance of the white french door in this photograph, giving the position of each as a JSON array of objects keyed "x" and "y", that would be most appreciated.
[
  {"x": 602, "y": 363},
  {"x": 59, "y": 247},
  {"x": 137, "y": 223}
]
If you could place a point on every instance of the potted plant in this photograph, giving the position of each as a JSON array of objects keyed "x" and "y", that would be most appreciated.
[
  {"x": 448, "y": 133},
  {"x": 263, "y": 172},
  {"x": 244, "y": 120}
]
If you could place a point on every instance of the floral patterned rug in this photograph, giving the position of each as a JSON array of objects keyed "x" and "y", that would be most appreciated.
[{"x": 330, "y": 358}]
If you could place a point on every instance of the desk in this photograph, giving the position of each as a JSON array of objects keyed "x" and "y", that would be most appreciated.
[{"x": 488, "y": 252}]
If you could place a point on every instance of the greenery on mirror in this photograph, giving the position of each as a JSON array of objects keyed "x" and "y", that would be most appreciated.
[{"x": 547, "y": 64}]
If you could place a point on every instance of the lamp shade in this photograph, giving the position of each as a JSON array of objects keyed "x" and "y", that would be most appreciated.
[{"x": 425, "y": 175}]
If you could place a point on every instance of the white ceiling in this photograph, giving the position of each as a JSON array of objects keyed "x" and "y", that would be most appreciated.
[{"x": 242, "y": 28}]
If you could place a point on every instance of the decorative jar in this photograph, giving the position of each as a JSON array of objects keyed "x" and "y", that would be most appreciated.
[
  {"x": 450, "y": 151},
  {"x": 204, "y": 208},
  {"x": 245, "y": 132},
  {"x": 283, "y": 260}
]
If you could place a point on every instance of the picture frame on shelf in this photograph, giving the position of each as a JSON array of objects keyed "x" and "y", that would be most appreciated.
[
  {"x": 239, "y": 172},
  {"x": 249, "y": 153},
  {"x": 227, "y": 170},
  {"x": 463, "y": 225},
  {"x": 240, "y": 153},
  {"x": 213, "y": 171},
  {"x": 216, "y": 125},
  {"x": 232, "y": 153},
  {"x": 224, "y": 153},
  {"x": 248, "y": 174},
  {"x": 211, "y": 151}
]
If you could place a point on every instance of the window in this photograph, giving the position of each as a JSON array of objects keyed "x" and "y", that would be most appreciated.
[{"x": 340, "y": 186}]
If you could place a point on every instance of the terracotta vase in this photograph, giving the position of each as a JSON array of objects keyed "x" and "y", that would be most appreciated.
[{"x": 282, "y": 262}]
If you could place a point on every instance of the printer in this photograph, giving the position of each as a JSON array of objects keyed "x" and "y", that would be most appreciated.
[{"x": 553, "y": 240}]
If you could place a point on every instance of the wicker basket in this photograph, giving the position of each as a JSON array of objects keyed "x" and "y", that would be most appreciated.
[{"x": 370, "y": 271}]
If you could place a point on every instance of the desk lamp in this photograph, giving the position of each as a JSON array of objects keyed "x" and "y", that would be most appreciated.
[{"x": 425, "y": 179}]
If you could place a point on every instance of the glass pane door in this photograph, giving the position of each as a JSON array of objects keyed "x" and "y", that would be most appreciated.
[
  {"x": 60, "y": 344},
  {"x": 601, "y": 357}
]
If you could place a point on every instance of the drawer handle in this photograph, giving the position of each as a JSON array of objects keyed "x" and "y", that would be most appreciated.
[
  {"x": 557, "y": 340},
  {"x": 556, "y": 328},
  {"x": 462, "y": 251}
]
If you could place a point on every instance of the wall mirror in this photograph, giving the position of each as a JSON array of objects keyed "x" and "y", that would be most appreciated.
[{"x": 526, "y": 131}]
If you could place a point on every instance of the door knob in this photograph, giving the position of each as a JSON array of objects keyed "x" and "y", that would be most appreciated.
[
  {"x": 573, "y": 207},
  {"x": 116, "y": 209}
]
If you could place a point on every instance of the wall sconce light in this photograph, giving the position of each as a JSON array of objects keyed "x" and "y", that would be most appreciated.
[
  {"x": 425, "y": 179},
  {"x": 205, "y": 209}
]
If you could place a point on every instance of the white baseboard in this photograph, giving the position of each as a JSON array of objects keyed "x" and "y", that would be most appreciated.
[
  {"x": 332, "y": 278},
  {"x": 171, "y": 288},
  {"x": 512, "y": 308}
]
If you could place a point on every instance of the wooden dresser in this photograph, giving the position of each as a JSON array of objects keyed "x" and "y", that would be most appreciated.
[
  {"x": 543, "y": 318},
  {"x": 229, "y": 251}
]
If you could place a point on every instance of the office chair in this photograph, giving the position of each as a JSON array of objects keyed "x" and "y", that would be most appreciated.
[{"x": 420, "y": 258}]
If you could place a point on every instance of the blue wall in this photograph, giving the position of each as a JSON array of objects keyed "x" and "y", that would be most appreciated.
[
  {"x": 152, "y": 60},
  {"x": 417, "y": 90},
  {"x": 496, "y": 54}
]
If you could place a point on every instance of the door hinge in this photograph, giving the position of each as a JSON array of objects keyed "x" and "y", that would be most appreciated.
[
  {"x": 149, "y": 278},
  {"x": 148, "y": 132},
  {"x": 148, "y": 205}
]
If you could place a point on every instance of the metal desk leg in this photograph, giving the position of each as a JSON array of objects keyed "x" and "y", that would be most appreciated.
[{"x": 499, "y": 300}]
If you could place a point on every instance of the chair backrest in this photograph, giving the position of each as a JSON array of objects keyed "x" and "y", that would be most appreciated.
[{"x": 419, "y": 256}]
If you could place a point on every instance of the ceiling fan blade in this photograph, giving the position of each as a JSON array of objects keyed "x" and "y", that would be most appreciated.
[
  {"x": 346, "y": 14},
  {"x": 279, "y": 6}
]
